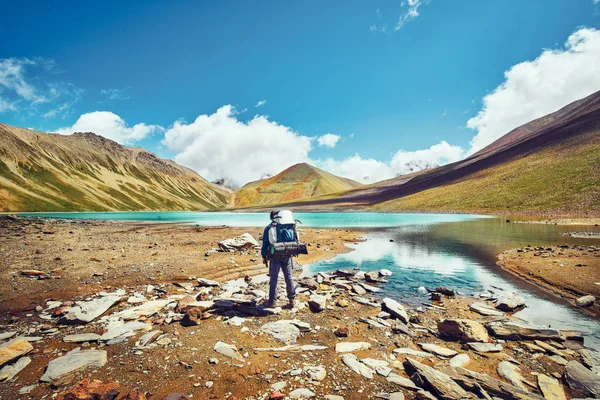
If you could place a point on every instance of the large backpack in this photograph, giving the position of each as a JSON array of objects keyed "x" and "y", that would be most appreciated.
[{"x": 283, "y": 237}]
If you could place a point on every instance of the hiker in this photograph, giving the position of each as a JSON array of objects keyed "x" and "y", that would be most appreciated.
[{"x": 280, "y": 243}]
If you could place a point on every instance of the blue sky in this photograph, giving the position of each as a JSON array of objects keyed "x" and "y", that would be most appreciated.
[{"x": 386, "y": 80}]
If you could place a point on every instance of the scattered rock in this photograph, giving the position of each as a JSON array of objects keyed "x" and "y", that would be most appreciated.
[
  {"x": 91, "y": 390},
  {"x": 550, "y": 388},
  {"x": 10, "y": 371},
  {"x": 438, "y": 350},
  {"x": 485, "y": 347},
  {"x": 301, "y": 393},
  {"x": 582, "y": 379},
  {"x": 401, "y": 381},
  {"x": 395, "y": 309},
  {"x": 585, "y": 301},
  {"x": 14, "y": 349},
  {"x": 315, "y": 373},
  {"x": 317, "y": 303},
  {"x": 485, "y": 309},
  {"x": 350, "y": 347},
  {"x": 460, "y": 360},
  {"x": 440, "y": 383},
  {"x": 509, "y": 301},
  {"x": 73, "y": 361},
  {"x": 81, "y": 338},
  {"x": 351, "y": 361},
  {"x": 282, "y": 330},
  {"x": 463, "y": 329},
  {"x": 518, "y": 331},
  {"x": 228, "y": 351},
  {"x": 511, "y": 373},
  {"x": 84, "y": 312},
  {"x": 342, "y": 332},
  {"x": 411, "y": 352}
]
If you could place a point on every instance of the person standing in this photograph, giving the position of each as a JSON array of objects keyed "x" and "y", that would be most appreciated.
[{"x": 281, "y": 229}]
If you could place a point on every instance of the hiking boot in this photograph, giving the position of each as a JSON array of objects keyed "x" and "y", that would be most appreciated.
[
  {"x": 268, "y": 303},
  {"x": 292, "y": 303}
]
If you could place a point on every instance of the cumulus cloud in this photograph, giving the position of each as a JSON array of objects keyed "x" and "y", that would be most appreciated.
[
  {"x": 532, "y": 89},
  {"x": 111, "y": 126},
  {"x": 260, "y": 103},
  {"x": 52, "y": 98},
  {"x": 219, "y": 146},
  {"x": 369, "y": 170},
  {"x": 328, "y": 140}
]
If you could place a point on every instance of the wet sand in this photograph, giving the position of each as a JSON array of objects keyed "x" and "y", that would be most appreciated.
[{"x": 569, "y": 271}]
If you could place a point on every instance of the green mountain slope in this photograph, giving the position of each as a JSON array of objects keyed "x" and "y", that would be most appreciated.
[
  {"x": 299, "y": 181},
  {"x": 86, "y": 172}
]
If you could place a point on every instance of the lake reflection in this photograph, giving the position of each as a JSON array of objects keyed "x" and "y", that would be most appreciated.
[{"x": 419, "y": 256}]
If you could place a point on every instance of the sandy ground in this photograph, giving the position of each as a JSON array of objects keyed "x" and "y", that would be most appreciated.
[
  {"x": 570, "y": 271},
  {"x": 88, "y": 256}
]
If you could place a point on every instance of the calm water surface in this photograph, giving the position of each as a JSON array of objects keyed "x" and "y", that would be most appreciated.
[{"x": 428, "y": 250}]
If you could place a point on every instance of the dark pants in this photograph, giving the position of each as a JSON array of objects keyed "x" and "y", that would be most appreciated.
[{"x": 286, "y": 265}]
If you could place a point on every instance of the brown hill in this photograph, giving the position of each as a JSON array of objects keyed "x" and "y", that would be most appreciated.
[
  {"x": 299, "y": 181},
  {"x": 87, "y": 172},
  {"x": 550, "y": 164}
]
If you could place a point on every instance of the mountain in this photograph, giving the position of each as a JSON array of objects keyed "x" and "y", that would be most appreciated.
[
  {"x": 87, "y": 172},
  {"x": 299, "y": 181},
  {"x": 551, "y": 164}
]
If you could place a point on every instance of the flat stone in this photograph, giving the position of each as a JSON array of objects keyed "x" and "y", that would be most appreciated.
[
  {"x": 7, "y": 335},
  {"x": 148, "y": 338},
  {"x": 236, "y": 321},
  {"x": 442, "y": 385},
  {"x": 301, "y": 393},
  {"x": 351, "y": 361},
  {"x": 550, "y": 388},
  {"x": 228, "y": 351},
  {"x": 84, "y": 312},
  {"x": 370, "y": 288},
  {"x": 401, "y": 381},
  {"x": 486, "y": 347},
  {"x": 558, "y": 359},
  {"x": 396, "y": 396},
  {"x": 73, "y": 361},
  {"x": 119, "y": 331},
  {"x": 10, "y": 371},
  {"x": 373, "y": 363},
  {"x": 207, "y": 282},
  {"x": 485, "y": 309},
  {"x": 358, "y": 289},
  {"x": 518, "y": 331},
  {"x": 147, "y": 309},
  {"x": 511, "y": 373},
  {"x": 363, "y": 301},
  {"x": 463, "y": 329},
  {"x": 81, "y": 338},
  {"x": 582, "y": 379},
  {"x": 460, "y": 360},
  {"x": 438, "y": 350},
  {"x": 349, "y": 347},
  {"x": 395, "y": 309},
  {"x": 283, "y": 330},
  {"x": 509, "y": 301},
  {"x": 411, "y": 352},
  {"x": 14, "y": 349},
  {"x": 317, "y": 303},
  {"x": 333, "y": 397}
]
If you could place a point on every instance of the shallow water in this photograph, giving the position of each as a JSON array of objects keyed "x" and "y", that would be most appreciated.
[{"x": 458, "y": 251}]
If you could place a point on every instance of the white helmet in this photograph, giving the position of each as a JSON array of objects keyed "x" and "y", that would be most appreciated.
[{"x": 285, "y": 217}]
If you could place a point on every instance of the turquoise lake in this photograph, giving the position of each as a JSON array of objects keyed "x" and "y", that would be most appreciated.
[{"x": 430, "y": 250}]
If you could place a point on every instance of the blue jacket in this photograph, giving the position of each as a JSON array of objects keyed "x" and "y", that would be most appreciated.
[{"x": 264, "y": 251}]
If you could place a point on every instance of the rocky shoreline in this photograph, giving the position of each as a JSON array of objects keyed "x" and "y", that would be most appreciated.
[{"x": 198, "y": 338}]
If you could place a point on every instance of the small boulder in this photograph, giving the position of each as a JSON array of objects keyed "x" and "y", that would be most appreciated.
[
  {"x": 317, "y": 303},
  {"x": 463, "y": 329},
  {"x": 509, "y": 301},
  {"x": 91, "y": 390},
  {"x": 585, "y": 301}
]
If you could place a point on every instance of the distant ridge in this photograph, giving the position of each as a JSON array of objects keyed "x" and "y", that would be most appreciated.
[
  {"x": 87, "y": 172},
  {"x": 551, "y": 164},
  {"x": 300, "y": 181}
]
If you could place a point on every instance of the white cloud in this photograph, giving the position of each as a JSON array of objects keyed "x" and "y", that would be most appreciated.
[
  {"x": 12, "y": 78},
  {"x": 410, "y": 14},
  {"x": 115, "y": 94},
  {"x": 260, "y": 103},
  {"x": 403, "y": 162},
  {"x": 6, "y": 105},
  {"x": 111, "y": 126},
  {"x": 328, "y": 140},
  {"x": 536, "y": 88},
  {"x": 221, "y": 146}
]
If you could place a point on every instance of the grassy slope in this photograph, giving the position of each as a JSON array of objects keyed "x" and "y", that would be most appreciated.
[
  {"x": 42, "y": 172},
  {"x": 560, "y": 178},
  {"x": 297, "y": 182}
]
